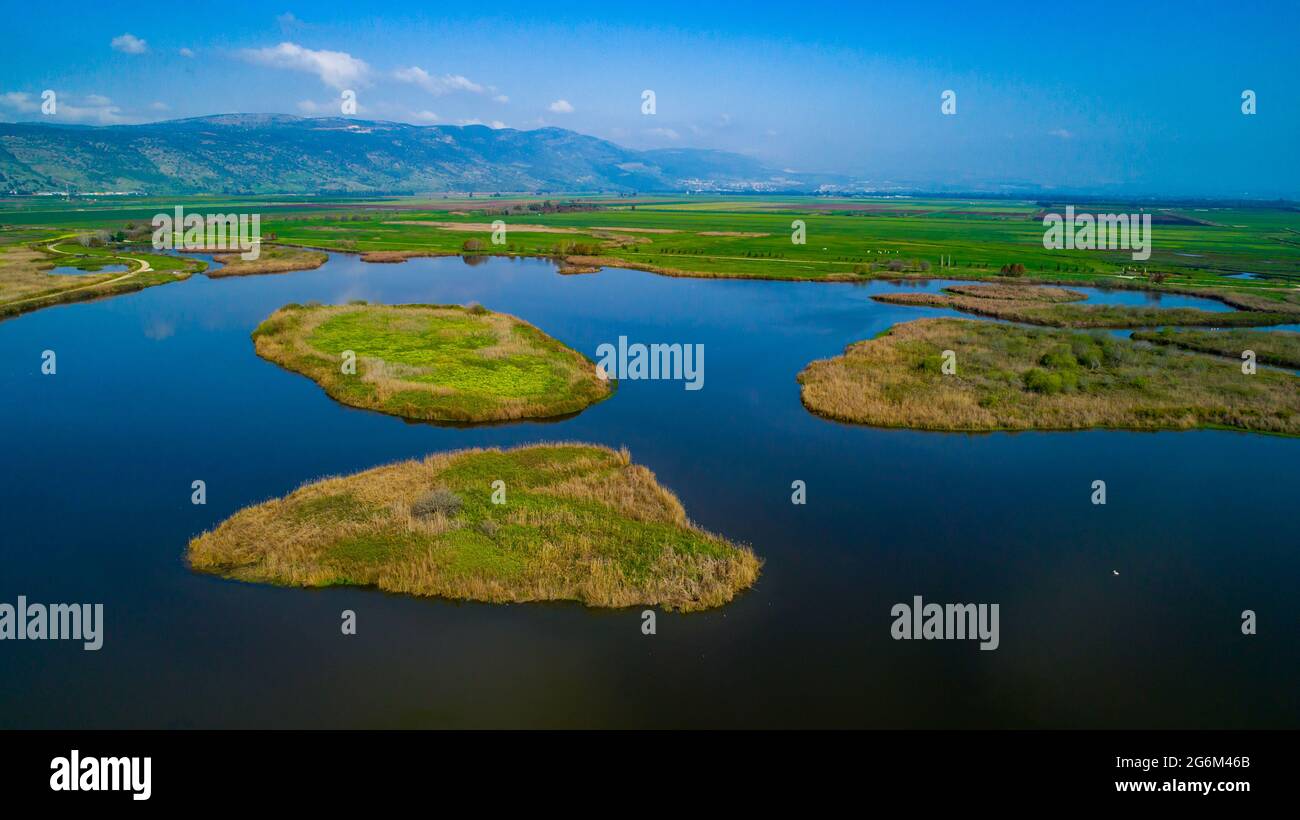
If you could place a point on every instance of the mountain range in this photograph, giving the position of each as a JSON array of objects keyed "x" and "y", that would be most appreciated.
[{"x": 277, "y": 153}]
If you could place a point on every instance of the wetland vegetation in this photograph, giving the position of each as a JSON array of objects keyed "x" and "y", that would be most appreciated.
[
  {"x": 1007, "y": 377},
  {"x": 431, "y": 362},
  {"x": 27, "y": 282},
  {"x": 1052, "y": 307},
  {"x": 271, "y": 259},
  {"x": 1277, "y": 347},
  {"x": 561, "y": 522}
]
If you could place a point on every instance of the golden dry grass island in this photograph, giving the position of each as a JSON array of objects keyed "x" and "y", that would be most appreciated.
[
  {"x": 1007, "y": 377},
  {"x": 1052, "y": 307},
  {"x": 271, "y": 259},
  {"x": 432, "y": 362},
  {"x": 551, "y": 522}
]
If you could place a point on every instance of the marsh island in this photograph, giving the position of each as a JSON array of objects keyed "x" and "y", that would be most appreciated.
[
  {"x": 564, "y": 522},
  {"x": 431, "y": 362},
  {"x": 1006, "y": 377}
]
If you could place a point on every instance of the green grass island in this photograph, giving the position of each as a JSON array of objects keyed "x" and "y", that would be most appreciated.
[
  {"x": 442, "y": 363},
  {"x": 551, "y": 522},
  {"x": 1008, "y": 377}
]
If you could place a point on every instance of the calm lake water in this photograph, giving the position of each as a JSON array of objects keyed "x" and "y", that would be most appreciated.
[
  {"x": 69, "y": 270},
  {"x": 159, "y": 388}
]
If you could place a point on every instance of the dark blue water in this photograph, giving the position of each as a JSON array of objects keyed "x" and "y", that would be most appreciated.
[{"x": 159, "y": 388}]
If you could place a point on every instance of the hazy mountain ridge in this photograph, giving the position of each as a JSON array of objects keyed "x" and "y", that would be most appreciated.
[{"x": 276, "y": 153}]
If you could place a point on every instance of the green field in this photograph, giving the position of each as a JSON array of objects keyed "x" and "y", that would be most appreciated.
[{"x": 1195, "y": 247}]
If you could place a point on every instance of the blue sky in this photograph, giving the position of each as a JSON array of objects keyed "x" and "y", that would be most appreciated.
[{"x": 1131, "y": 97}]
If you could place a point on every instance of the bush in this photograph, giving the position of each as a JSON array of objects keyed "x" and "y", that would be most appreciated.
[
  {"x": 577, "y": 249},
  {"x": 931, "y": 364},
  {"x": 488, "y": 527},
  {"x": 441, "y": 500},
  {"x": 1040, "y": 381},
  {"x": 476, "y": 309},
  {"x": 472, "y": 245},
  {"x": 1016, "y": 269},
  {"x": 1087, "y": 351},
  {"x": 1059, "y": 358},
  {"x": 1113, "y": 353}
]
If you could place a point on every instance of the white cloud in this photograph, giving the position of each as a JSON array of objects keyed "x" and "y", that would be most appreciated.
[
  {"x": 129, "y": 44},
  {"x": 501, "y": 98},
  {"x": 337, "y": 69},
  {"x": 92, "y": 108},
  {"x": 289, "y": 21},
  {"x": 159, "y": 106},
  {"x": 438, "y": 86},
  {"x": 1061, "y": 133},
  {"x": 424, "y": 116},
  {"x": 329, "y": 108},
  {"x": 561, "y": 107},
  {"x": 19, "y": 101},
  {"x": 666, "y": 133},
  {"x": 186, "y": 52},
  {"x": 494, "y": 124}
]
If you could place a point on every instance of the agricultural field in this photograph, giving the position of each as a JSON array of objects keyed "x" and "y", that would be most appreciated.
[{"x": 1242, "y": 249}]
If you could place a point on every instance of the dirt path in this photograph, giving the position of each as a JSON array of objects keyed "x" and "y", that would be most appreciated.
[{"x": 145, "y": 267}]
